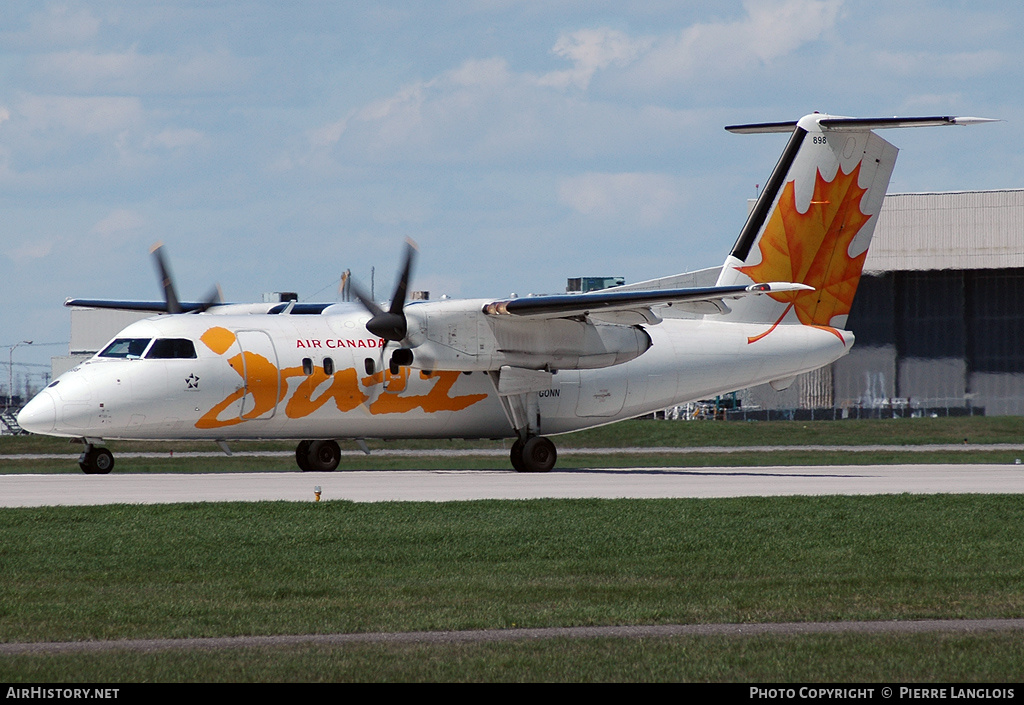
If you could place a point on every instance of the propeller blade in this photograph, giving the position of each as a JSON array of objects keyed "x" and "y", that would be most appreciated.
[
  {"x": 216, "y": 296},
  {"x": 368, "y": 303},
  {"x": 166, "y": 281},
  {"x": 171, "y": 302},
  {"x": 398, "y": 300},
  {"x": 391, "y": 324}
]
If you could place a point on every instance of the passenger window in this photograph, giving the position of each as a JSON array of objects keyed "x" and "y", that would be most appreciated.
[
  {"x": 126, "y": 347},
  {"x": 307, "y": 366},
  {"x": 172, "y": 348},
  {"x": 369, "y": 365},
  {"x": 328, "y": 366}
]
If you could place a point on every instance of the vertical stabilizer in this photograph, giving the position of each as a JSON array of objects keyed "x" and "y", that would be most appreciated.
[{"x": 813, "y": 222}]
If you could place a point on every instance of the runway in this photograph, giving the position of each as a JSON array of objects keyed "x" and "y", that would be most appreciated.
[{"x": 25, "y": 490}]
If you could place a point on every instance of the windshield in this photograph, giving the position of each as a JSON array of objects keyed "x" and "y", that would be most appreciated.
[{"x": 126, "y": 347}]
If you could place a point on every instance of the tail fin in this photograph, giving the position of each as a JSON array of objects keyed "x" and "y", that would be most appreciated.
[{"x": 813, "y": 222}]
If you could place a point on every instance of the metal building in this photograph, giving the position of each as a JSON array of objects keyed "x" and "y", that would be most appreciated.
[{"x": 939, "y": 315}]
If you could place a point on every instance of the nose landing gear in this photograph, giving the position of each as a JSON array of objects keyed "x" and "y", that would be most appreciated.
[{"x": 96, "y": 461}]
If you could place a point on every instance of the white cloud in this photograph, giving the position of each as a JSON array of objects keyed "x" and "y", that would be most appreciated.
[
  {"x": 329, "y": 134},
  {"x": 591, "y": 50},
  {"x": 778, "y": 27},
  {"x": 190, "y": 73},
  {"x": 81, "y": 115},
  {"x": 62, "y": 25},
  {"x": 87, "y": 71},
  {"x": 456, "y": 111},
  {"x": 958, "y": 65},
  {"x": 176, "y": 138},
  {"x": 397, "y": 117},
  {"x": 28, "y": 251},
  {"x": 647, "y": 199},
  {"x": 120, "y": 225},
  {"x": 771, "y": 29},
  {"x": 930, "y": 102},
  {"x": 484, "y": 109}
]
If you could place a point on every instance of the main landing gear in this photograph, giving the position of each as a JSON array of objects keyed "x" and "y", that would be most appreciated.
[
  {"x": 318, "y": 456},
  {"x": 96, "y": 461},
  {"x": 535, "y": 454}
]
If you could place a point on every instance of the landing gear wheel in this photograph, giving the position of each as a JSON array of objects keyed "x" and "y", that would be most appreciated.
[
  {"x": 322, "y": 456},
  {"x": 539, "y": 454},
  {"x": 516, "y": 456},
  {"x": 535, "y": 454},
  {"x": 96, "y": 461},
  {"x": 302, "y": 454}
]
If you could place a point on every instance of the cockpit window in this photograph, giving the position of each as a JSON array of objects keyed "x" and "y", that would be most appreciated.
[
  {"x": 126, "y": 347},
  {"x": 167, "y": 348}
]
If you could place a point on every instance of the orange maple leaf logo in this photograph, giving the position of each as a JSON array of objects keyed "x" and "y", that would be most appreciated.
[{"x": 813, "y": 248}]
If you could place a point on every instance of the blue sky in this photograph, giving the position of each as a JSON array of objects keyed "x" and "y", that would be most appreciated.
[{"x": 272, "y": 145}]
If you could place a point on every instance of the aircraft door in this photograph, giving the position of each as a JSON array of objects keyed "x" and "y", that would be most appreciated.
[{"x": 261, "y": 375}]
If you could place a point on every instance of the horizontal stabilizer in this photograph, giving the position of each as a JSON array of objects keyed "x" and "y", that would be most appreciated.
[{"x": 830, "y": 122}]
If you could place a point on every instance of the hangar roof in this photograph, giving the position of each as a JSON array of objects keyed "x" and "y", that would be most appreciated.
[{"x": 949, "y": 230}]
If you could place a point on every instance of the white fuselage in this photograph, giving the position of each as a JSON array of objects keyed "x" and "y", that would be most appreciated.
[{"x": 264, "y": 376}]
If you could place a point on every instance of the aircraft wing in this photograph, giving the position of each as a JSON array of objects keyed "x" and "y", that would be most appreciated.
[
  {"x": 610, "y": 301},
  {"x": 152, "y": 306},
  {"x": 203, "y": 306}
]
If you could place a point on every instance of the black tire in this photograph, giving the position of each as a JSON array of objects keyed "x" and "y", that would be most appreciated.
[
  {"x": 96, "y": 461},
  {"x": 302, "y": 455},
  {"x": 539, "y": 455},
  {"x": 516, "y": 456},
  {"x": 323, "y": 456}
]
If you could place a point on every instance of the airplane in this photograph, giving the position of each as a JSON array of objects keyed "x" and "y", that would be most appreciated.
[{"x": 523, "y": 368}]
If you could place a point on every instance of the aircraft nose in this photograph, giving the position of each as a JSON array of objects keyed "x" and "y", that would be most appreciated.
[{"x": 40, "y": 414}]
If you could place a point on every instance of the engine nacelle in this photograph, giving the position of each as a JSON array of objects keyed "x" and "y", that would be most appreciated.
[{"x": 451, "y": 335}]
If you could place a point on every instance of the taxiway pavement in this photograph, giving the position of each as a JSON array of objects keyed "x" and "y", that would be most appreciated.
[{"x": 26, "y": 490}]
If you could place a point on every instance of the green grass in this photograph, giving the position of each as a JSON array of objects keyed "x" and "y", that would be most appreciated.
[
  {"x": 278, "y": 567},
  {"x": 74, "y": 573},
  {"x": 975, "y": 429},
  {"x": 923, "y": 431},
  {"x": 212, "y": 570}
]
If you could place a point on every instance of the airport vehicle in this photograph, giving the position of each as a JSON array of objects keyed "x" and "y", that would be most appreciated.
[{"x": 520, "y": 368}]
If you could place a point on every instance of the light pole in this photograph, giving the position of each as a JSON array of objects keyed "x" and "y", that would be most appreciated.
[{"x": 10, "y": 368}]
